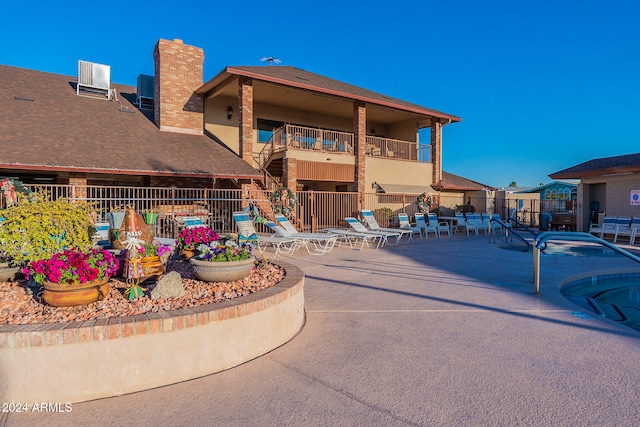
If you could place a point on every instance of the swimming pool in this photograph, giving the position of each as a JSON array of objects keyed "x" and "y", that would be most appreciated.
[
  {"x": 614, "y": 296},
  {"x": 573, "y": 249}
]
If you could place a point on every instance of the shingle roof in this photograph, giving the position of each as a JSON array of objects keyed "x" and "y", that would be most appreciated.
[
  {"x": 456, "y": 182},
  {"x": 55, "y": 129},
  {"x": 604, "y": 165},
  {"x": 297, "y": 77}
]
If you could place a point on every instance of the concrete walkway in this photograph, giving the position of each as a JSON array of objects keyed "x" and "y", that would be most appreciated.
[{"x": 435, "y": 332}]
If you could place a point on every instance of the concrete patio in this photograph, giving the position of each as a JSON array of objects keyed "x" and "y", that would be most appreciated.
[{"x": 434, "y": 332}]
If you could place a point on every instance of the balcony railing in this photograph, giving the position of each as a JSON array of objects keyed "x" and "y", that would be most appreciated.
[{"x": 330, "y": 141}]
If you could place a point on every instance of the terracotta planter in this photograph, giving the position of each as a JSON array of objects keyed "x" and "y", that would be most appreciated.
[
  {"x": 209, "y": 271},
  {"x": 67, "y": 296},
  {"x": 152, "y": 266}
]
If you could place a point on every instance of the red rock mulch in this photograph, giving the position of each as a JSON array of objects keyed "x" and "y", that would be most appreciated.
[{"x": 19, "y": 307}]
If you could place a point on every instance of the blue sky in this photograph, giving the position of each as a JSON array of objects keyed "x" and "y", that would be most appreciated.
[{"x": 540, "y": 86}]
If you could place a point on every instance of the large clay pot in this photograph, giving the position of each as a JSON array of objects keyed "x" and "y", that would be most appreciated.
[
  {"x": 68, "y": 296},
  {"x": 229, "y": 271}
]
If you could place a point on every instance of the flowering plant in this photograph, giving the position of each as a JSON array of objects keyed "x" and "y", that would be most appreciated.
[
  {"x": 154, "y": 250},
  {"x": 225, "y": 250},
  {"x": 192, "y": 237},
  {"x": 73, "y": 267}
]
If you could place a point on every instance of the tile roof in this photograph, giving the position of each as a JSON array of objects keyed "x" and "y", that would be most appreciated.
[
  {"x": 602, "y": 166},
  {"x": 44, "y": 125},
  {"x": 297, "y": 77},
  {"x": 456, "y": 182}
]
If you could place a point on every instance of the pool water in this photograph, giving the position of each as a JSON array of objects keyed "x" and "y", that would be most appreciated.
[
  {"x": 616, "y": 297},
  {"x": 573, "y": 249}
]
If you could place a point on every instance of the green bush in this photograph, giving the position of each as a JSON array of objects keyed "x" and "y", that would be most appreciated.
[{"x": 39, "y": 227}]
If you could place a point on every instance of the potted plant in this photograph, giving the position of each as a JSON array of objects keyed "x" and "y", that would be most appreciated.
[
  {"x": 73, "y": 276},
  {"x": 223, "y": 260},
  {"x": 190, "y": 238}
]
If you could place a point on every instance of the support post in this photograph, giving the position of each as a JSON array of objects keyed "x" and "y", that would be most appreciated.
[{"x": 536, "y": 269}]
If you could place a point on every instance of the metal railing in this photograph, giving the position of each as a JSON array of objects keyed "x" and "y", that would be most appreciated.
[
  {"x": 542, "y": 239},
  {"x": 331, "y": 141}
]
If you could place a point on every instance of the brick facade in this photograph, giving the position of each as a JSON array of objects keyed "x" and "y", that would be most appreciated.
[
  {"x": 245, "y": 100},
  {"x": 79, "y": 182},
  {"x": 178, "y": 73},
  {"x": 290, "y": 173},
  {"x": 360, "y": 131},
  {"x": 436, "y": 153}
]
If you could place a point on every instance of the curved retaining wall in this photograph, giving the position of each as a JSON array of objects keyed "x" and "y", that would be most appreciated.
[{"x": 78, "y": 361}]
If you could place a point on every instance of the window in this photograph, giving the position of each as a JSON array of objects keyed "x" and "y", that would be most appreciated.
[{"x": 265, "y": 129}]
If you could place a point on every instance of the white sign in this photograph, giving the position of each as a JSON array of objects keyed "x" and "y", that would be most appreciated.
[{"x": 635, "y": 197}]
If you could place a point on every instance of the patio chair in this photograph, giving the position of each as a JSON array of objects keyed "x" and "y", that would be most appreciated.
[
  {"x": 315, "y": 243},
  {"x": 383, "y": 235},
  {"x": 495, "y": 224},
  {"x": 373, "y": 225},
  {"x": 403, "y": 218},
  {"x": 440, "y": 225},
  {"x": 248, "y": 233},
  {"x": 608, "y": 226},
  {"x": 476, "y": 218},
  {"x": 354, "y": 239},
  {"x": 461, "y": 223},
  {"x": 426, "y": 227},
  {"x": 627, "y": 230}
]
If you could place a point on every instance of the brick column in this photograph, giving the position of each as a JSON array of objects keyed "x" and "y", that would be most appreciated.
[
  {"x": 360, "y": 133},
  {"x": 245, "y": 104},
  {"x": 290, "y": 173},
  {"x": 78, "y": 181},
  {"x": 436, "y": 151}
]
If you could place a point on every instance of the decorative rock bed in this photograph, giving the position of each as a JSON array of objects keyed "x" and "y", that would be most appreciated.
[{"x": 85, "y": 359}]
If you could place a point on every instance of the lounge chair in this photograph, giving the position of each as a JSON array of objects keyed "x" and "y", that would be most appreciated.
[
  {"x": 426, "y": 227},
  {"x": 496, "y": 224},
  {"x": 373, "y": 225},
  {"x": 315, "y": 243},
  {"x": 383, "y": 235},
  {"x": 248, "y": 233},
  {"x": 627, "y": 230},
  {"x": 355, "y": 239},
  {"x": 608, "y": 226},
  {"x": 440, "y": 225},
  {"x": 403, "y": 218}
]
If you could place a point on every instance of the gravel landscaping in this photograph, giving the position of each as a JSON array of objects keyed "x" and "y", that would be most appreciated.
[{"x": 19, "y": 307}]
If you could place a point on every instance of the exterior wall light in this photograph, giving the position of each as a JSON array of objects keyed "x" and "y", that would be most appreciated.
[{"x": 229, "y": 112}]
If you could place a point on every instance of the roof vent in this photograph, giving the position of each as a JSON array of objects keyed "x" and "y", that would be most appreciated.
[
  {"x": 145, "y": 93},
  {"x": 94, "y": 80}
]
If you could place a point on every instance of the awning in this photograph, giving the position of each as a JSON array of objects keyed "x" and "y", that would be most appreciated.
[{"x": 405, "y": 189}]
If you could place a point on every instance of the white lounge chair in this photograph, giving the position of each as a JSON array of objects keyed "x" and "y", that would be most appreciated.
[
  {"x": 426, "y": 227},
  {"x": 608, "y": 226},
  {"x": 440, "y": 225},
  {"x": 248, "y": 233},
  {"x": 373, "y": 225},
  {"x": 403, "y": 219},
  {"x": 382, "y": 235},
  {"x": 627, "y": 230},
  {"x": 315, "y": 243}
]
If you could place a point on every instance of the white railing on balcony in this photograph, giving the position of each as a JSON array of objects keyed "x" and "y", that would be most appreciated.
[{"x": 397, "y": 149}]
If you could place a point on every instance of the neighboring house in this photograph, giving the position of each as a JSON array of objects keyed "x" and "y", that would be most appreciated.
[
  {"x": 610, "y": 185},
  {"x": 555, "y": 191},
  {"x": 277, "y": 125}
]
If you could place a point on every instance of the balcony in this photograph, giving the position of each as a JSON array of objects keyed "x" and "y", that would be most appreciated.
[{"x": 330, "y": 141}]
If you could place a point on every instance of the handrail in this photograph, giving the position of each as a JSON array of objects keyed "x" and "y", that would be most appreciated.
[
  {"x": 546, "y": 236},
  {"x": 508, "y": 230},
  {"x": 521, "y": 225}
]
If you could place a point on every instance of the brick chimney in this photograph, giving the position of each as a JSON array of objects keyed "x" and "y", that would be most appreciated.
[{"x": 178, "y": 73}]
